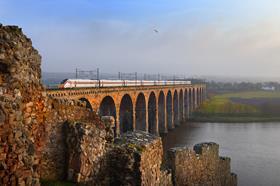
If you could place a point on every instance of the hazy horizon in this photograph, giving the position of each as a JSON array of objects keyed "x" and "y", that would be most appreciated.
[
  {"x": 200, "y": 38},
  {"x": 230, "y": 79}
]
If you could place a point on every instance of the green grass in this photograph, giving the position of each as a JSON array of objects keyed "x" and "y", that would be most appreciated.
[
  {"x": 251, "y": 94},
  {"x": 220, "y": 108},
  {"x": 221, "y": 104}
]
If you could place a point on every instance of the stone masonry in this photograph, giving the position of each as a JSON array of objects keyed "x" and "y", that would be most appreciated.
[
  {"x": 200, "y": 166},
  {"x": 136, "y": 159},
  {"x": 31, "y": 123},
  {"x": 87, "y": 153}
]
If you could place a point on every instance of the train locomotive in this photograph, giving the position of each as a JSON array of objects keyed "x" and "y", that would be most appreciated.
[{"x": 88, "y": 83}]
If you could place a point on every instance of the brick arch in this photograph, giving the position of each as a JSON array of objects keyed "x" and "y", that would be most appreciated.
[
  {"x": 105, "y": 107},
  {"x": 140, "y": 112},
  {"x": 126, "y": 114},
  {"x": 161, "y": 113},
  {"x": 108, "y": 108},
  {"x": 169, "y": 110},
  {"x": 152, "y": 113}
]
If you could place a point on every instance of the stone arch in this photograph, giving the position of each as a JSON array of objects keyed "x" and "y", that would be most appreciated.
[
  {"x": 169, "y": 110},
  {"x": 181, "y": 106},
  {"x": 152, "y": 119},
  {"x": 140, "y": 115},
  {"x": 175, "y": 108},
  {"x": 126, "y": 114},
  {"x": 88, "y": 105},
  {"x": 161, "y": 113},
  {"x": 108, "y": 108}
]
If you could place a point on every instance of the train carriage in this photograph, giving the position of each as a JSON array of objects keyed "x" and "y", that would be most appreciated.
[{"x": 87, "y": 83}]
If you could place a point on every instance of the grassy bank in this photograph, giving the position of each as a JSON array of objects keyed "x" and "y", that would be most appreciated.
[{"x": 256, "y": 106}]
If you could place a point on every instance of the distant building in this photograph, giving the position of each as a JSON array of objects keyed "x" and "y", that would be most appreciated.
[{"x": 268, "y": 88}]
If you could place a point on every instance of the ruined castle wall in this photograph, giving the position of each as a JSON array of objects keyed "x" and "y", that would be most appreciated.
[
  {"x": 32, "y": 138},
  {"x": 136, "y": 159},
  {"x": 20, "y": 99},
  {"x": 200, "y": 166},
  {"x": 53, "y": 159},
  {"x": 87, "y": 147}
]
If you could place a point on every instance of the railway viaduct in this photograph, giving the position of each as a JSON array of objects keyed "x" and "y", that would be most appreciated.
[{"x": 154, "y": 109}]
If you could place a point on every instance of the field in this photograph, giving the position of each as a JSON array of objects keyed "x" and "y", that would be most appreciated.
[{"x": 240, "y": 107}]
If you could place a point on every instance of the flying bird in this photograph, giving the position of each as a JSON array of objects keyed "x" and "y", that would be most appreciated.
[{"x": 156, "y": 31}]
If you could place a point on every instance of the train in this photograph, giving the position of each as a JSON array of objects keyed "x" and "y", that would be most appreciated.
[{"x": 88, "y": 83}]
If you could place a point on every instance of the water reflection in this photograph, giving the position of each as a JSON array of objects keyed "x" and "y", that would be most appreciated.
[{"x": 253, "y": 147}]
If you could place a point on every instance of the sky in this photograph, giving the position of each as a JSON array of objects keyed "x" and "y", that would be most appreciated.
[{"x": 194, "y": 38}]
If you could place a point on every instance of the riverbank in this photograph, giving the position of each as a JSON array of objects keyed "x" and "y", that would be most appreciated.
[
  {"x": 253, "y": 106},
  {"x": 233, "y": 119}
]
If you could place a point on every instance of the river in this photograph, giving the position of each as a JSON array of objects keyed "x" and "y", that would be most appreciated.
[{"x": 254, "y": 148}]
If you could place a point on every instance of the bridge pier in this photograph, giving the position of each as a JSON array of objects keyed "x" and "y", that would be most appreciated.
[
  {"x": 117, "y": 127},
  {"x": 166, "y": 118},
  {"x": 172, "y": 126},
  {"x": 161, "y": 107},
  {"x": 156, "y": 122},
  {"x": 134, "y": 119},
  {"x": 147, "y": 117}
]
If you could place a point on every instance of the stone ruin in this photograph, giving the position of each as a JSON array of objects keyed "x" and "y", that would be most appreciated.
[
  {"x": 42, "y": 138},
  {"x": 200, "y": 166},
  {"x": 32, "y": 142}
]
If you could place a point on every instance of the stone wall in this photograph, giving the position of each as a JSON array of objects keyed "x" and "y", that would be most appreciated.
[
  {"x": 20, "y": 98},
  {"x": 32, "y": 139},
  {"x": 53, "y": 147},
  {"x": 136, "y": 159},
  {"x": 200, "y": 166},
  {"x": 87, "y": 147}
]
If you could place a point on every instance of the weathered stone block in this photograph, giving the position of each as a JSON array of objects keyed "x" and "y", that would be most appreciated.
[
  {"x": 136, "y": 159},
  {"x": 200, "y": 166}
]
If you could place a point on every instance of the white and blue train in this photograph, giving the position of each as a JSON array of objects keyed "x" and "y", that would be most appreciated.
[{"x": 87, "y": 83}]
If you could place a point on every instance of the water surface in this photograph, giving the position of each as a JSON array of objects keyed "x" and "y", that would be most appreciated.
[{"x": 254, "y": 148}]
